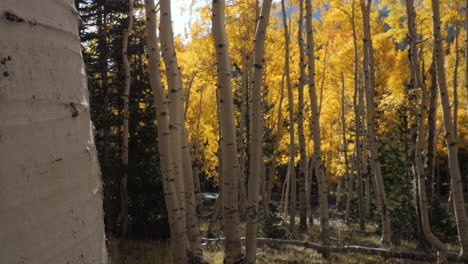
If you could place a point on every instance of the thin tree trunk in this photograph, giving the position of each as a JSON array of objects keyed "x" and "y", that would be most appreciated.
[
  {"x": 176, "y": 224},
  {"x": 300, "y": 124},
  {"x": 256, "y": 133},
  {"x": 455, "y": 84},
  {"x": 431, "y": 134},
  {"x": 466, "y": 53},
  {"x": 368, "y": 66},
  {"x": 357, "y": 105},
  {"x": 418, "y": 169},
  {"x": 318, "y": 163},
  {"x": 450, "y": 135},
  {"x": 179, "y": 141},
  {"x": 348, "y": 176},
  {"x": 125, "y": 132},
  {"x": 292, "y": 147},
  {"x": 279, "y": 128},
  {"x": 230, "y": 220}
]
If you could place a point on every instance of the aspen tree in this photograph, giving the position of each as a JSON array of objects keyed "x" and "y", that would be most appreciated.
[
  {"x": 233, "y": 251},
  {"x": 51, "y": 189},
  {"x": 369, "y": 80},
  {"x": 348, "y": 175},
  {"x": 466, "y": 53},
  {"x": 419, "y": 148},
  {"x": 183, "y": 172},
  {"x": 300, "y": 123},
  {"x": 176, "y": 224},
  {"x": 125, "y": 132},
  {"x": 318, "y": 162},
  {"x": 292, "y": 147},
  {"x": 256, "y": 133},
  {"x": 450, "y": 135},
  {"x": 357, "y": 105}
]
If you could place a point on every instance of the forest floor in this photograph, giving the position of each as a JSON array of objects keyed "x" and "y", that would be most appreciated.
[{"x": 151, "y": 252}]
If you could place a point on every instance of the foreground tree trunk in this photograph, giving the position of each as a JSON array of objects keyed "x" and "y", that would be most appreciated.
[
  {"x": 292, "y": 147},
  {"x": 418, "y": 169},
  {"x": 230, "y": 173},
  {"x": 369, "y": 76},
  {"x": 125, "y": 132},
  {"x": 180, "y": 149},
  {"x": 176, "y": 224},
  {"x": 51, "y": 206},
  {"x": 450, "y": 135},
  {"x": 256, "y": 133},
  {"x": 318, "y": 163}
]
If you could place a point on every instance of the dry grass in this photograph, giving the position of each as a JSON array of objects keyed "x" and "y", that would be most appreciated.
[{"x": 156, "y": 252}]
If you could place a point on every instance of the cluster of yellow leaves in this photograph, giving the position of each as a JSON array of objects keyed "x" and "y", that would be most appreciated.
[{"x": 334, "y": 58}]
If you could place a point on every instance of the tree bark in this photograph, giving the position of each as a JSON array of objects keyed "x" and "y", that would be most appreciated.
[
  {"x": 450, "y": 135},
  {"x": 357, "y": 105},
  {"x": 51, "y": 206},
  {"x": 180, "y": 149},
  {"x": 348, "y": 176},
  {"x": 418, "y": 169},
  {"x": 233, "y": 251},
  {"x": 125, "y": 133},
  {"x": 300, "y": 123},
  {"x": 369, "y": 76},
  {"x": 292, "y": 147},
  {"x": 256, "y": 132},
  {"x": 176, "y": 224},
  {"x": 318, "y": 163}
]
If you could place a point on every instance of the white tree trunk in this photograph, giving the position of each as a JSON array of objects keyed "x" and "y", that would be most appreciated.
[
  {"x": 450, "y": 135},
  {"x": 230, "y": 169},
  {"x": 176, "y": 224},
  {"x": 368, "y": 65},
  {"x": 256, "y": 134},
  {"x": 292, "y": 146},
  {"x": 181, "y": 151},
  {"x": 125, "y": 133},
  {"x": 318, "y": 163},
  {"x": 51, "y": 191}
]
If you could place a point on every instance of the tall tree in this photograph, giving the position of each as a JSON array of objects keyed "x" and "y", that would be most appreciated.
[
  {"x": 300, "y": 122},
  {"x": 348, "y": 175},
  {"x": 178, "y": 234},
  {"x": 256, "y": 132},
  {"x": 418, "y": 168},
  {"x": 126, "y": 115},
  {"x": 450, "y": 135},
  {"x": 318, "y": 162},
  {"x": 230, "y": 169},
  {"x": 292, "y": 146},
  {"x": 179, "y": 141},
  {"x": 369, "y": 77},
  {"x": 51, "y": 187}
]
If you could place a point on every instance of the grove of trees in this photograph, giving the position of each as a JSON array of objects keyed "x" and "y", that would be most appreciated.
[{"x": 311, "y": 123}]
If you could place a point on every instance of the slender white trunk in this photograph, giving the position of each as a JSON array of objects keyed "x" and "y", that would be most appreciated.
[
  {"x": 125, "y": 133},
  {"x": 292, "y": 147},
  {"x": 181, "y": 150},
  {"x": 300, "y": 124},
  {"x": 450, "y": 135},
  {"x": 418, "y": 169},
  {"x": 176, "y": 224},
  {"x": 369, "y": 76},
  {"x": 318, "y": 162},
  {"x": 233, "y": 250},
  {"x": 256, "y": 133},
  {"x": 51, "y": 206}
]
